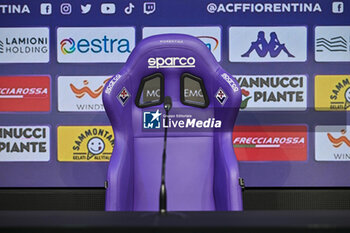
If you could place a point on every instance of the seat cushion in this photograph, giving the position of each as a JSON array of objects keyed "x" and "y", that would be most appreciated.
[{"x": 189, "y": 173}]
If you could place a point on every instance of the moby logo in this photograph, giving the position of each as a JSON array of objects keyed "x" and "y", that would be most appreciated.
[{"x": 171, "y": 62}]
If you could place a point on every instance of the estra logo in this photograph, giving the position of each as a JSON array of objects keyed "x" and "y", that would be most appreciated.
[
  {"x": 210, "y": 36},
  {"x": 105, "y": 44},
  {"x": 270, "y": 143},
  {"x": 171, "y": 62},
  {"x": 24, "y": 93},
  {"x": 81, "y": 93},
  {"x": 85, "y": 143},
  {"x": 332, "y": 143}
]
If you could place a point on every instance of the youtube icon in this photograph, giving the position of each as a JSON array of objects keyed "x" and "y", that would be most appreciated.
[{"x": 107, "y": 8}]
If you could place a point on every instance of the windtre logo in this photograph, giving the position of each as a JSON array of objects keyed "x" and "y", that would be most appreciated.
[
  {"x": 332, "y": 143},
  {"x": 85, "y": 143},
  {"x": 106, "y": 44},
  {"x": 81, "y": 93}
]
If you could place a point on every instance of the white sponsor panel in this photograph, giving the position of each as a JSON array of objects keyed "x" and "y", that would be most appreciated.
[
  {"x": 268, "y": 44},
  {"x": 24, "y": 143},
  {"x": 24, "y": 45},
  {"x": 273, "y": 92},
  {"x": 94, "y": 44},
  {"x": 211, "y": 36},
  {"x": 332, "y": 143},
  {"x": 332, "y": 43},
  {"x": 81, "y": 93}
]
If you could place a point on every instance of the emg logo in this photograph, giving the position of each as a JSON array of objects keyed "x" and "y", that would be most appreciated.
[
  {"x": 113, "y": 44},
  {"x": 171, "y": 62}
]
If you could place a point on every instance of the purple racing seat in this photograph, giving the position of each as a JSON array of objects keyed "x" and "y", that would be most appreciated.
[{"x": 201, "y": 168}]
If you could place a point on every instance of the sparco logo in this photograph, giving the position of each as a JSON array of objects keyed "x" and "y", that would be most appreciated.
[{"x": 171, "y": 62}]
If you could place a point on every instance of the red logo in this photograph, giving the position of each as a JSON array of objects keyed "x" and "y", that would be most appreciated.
[
  {"x": 270, "y": 143},
  {"x": 337, "y": 142},
  {"x": 24, "y": 93}
]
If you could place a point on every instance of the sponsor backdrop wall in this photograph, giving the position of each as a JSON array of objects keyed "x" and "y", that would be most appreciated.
[{"x": 291, "y": 58}]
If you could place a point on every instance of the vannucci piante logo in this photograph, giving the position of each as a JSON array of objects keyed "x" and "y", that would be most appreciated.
[{"x": 105, "y": 44}]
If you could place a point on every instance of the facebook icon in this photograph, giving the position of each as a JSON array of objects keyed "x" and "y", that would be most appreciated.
[
  {"x": 46, "y": 9},
  {"x": 338, "y": 7}
]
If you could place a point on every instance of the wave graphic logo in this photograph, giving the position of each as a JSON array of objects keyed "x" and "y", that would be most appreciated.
[
  {"x": 337, "y": 142},
  {"x": 65, "y": 43},
  {"x": 334, "y": 44},
  {"x": 79, "y": 93}
]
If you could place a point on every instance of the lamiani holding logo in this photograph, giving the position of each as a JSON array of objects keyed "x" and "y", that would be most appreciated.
[
  {"x": 105, "y": 44},
  {"x": 24, "y": 45},
  {"x": 210, "y": 36}
]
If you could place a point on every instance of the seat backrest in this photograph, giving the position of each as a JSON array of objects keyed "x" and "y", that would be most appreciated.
[{"x": 183, "y": 68}]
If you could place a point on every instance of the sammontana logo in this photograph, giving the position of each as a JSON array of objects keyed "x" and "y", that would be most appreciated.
[
  {"x": 332, "y": 92},
  {"x": 171, "y": 62},
  {"x": 85, "y": 143}
]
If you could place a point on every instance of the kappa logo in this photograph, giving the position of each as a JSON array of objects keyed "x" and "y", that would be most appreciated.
[
  {"x": 268, "y": 44},
  {"x": 152, "y": 119},
  {"x": 123, "y": 96},
  {"x": 337, "y": 142},
  {"x": 171, "y": 62},
  {"x": 79, "y": 93},
  {"x": 262, "y": 47},
  {"x": 221, "y": 96}
]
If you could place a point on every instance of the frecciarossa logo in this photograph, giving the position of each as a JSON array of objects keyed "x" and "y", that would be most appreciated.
[{"x": 171, "y": 62}]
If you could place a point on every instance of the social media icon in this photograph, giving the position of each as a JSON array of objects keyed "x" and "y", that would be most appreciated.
[
  {"x": 45, "y": 8},
  {"x": 149, "y": 7},
  {"x": 85, "y": 8},
  {"x": 337, "y": 7},
  {"x": 128, "y": 10},
  {"x": 66, "y": 9},
  {"x": 107, "y": 8}
]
